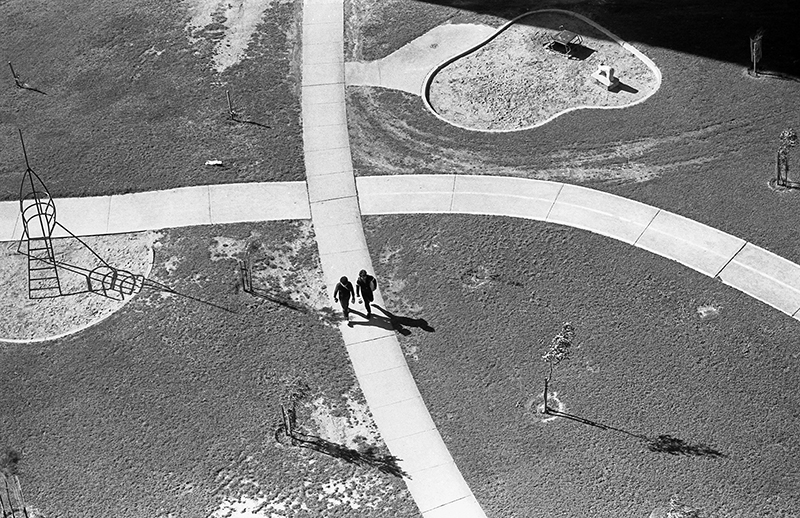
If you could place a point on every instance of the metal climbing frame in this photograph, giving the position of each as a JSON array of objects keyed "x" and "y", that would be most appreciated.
[{"x": 38, "y": 220}]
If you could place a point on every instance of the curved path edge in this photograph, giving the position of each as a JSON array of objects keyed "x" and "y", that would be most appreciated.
[
  {"x": 434, "y": 481},
  {"x": 736, "y": 262},
  {"x": 627, "y": 46}
]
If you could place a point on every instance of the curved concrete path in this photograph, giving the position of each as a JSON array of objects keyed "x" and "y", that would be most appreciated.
[
  {"x": 335, "y": 201},
  {"x": 744, "y": 266},
  {"x": 399, "y": 412}
]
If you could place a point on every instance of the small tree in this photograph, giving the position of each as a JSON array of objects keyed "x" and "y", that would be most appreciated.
[{"x": 559, "y": 350}]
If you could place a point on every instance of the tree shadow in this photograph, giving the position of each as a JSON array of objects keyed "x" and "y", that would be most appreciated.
[
  {"x": 661, "y": 444},
  {"x": 392, "y": 322},
  {"x": 370, "y": 456},
  {"x": 245, "y": 121}
]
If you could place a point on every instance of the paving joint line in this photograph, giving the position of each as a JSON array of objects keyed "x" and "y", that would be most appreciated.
[
  {"x": 403, "y": 401},
  {"x": 716, "y": 276},
  {"x": 208, "y": 193},
  {"x": 316, "y": 202},
  {"x": 555, "y": 200},
  {"x": 360, "y": 342},
  {"x": 108, "y": 216},
  {"x": 448, "y": 503},
  {"x": 658, "y": 211},
  {"x": 452, "y": 195}
]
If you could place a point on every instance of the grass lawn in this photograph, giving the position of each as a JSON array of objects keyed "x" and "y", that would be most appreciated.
[
  {"x": 133, "y": 105},
  {"x": 703, "y": 146},
  {"x": 169, "y": 407},
  {"x": 645, "y": 363}
]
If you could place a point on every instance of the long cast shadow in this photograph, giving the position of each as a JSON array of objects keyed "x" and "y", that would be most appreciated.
[
  {"x": 392, "y": 322},
  {"x": 664, "y": 443},
  {"x": 715, "y": 29}
]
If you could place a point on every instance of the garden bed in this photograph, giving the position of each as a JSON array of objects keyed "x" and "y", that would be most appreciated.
[{"x": 515, "y": 81}]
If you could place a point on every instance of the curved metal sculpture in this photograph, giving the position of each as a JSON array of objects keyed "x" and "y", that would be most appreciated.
[{"x": 39, "y": 222}]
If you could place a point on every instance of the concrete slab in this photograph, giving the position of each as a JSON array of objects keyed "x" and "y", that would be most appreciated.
[
  {"x": 324, "y": 13},
  {"x": 388, "y": 387},
  {"x": 360, "y": 330},
  {"x": 325, "y": 137},
  {"x": 323, "y": 53},
  {"x": 334, "y": 265},
  {"x": 187, "y": 206},
  {"x": 437, "y": 486},
  {"x": 401, "y": 419},
  {"x": 9, "y": 221},
  {"x": 602, "y": 213},
  {"x": 232, "y": 203},
  {"x": 323, "y": 74},
  {"x": 86, "y": 216},
  {"x": 426, "y": 448},
  {"x": 376, "y": 355},
  {"x": 318, "y": 33},
  {"x": 690, "y": 243},
  {"x": 331, "y": 186},
  {"x": 331, "y": 213},
  {"x": 322, "y": 94},
  {"x": 328, "y": 114},
  {"x": 504, "y": 196},
  {"x": 765, "y": 276},
  {"x": 405, "y": 194},
  {"x": 338, "y": 241},
  {"x": 328, "y": 161},
  {"x": 357, "y": 73},
  {"x": 467, "y": 506},
  {"x": 406, "y": 68}
]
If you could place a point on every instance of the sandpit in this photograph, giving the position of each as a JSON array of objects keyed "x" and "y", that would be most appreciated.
[
  {"x": 513, "y": 81},
  {"x": 25, "y": 319}
]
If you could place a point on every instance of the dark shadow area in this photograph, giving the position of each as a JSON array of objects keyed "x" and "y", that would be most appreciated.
[
  {"x": 580, "y": 52},
  {"x": 675, "y": 446},
  {"x": 157, "y": 286},
  {"x": 254, "y": 123},
  {"x": 661, "y": 444},
  {"x": 368, "y": 456},
  {"x": 622, "y": 87},
  {"x": 391, "y": 322},
  {"x": 714, "y": 29}
]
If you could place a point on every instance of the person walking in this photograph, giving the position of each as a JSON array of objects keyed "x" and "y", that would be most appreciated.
[
  {"x": 365, "y": 286},
  {"x": 343, "y": 293}
]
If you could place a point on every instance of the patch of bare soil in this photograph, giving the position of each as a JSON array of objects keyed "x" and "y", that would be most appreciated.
[
  {"x": 229, "y": 24},
  {"x": 23, "y": 318},
  {"x": 515, "y": 82}
]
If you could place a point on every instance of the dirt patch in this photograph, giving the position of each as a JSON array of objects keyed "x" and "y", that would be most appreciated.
[
  {"x": 515, "y": 82},
  {"x": 229, "y": 24},
  {"x": 23, "y": 318}
]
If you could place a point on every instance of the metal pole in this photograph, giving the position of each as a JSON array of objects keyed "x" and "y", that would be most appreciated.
[
  {"x": 24, "y": 152},
  {"x": 230, "y": 106},
  {"x": 16, "y": 77}
]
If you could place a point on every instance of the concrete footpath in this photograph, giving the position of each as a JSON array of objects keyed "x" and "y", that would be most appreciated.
[
  {"x": 399, "y": 412},
  {"x": 742, "y": 265}
]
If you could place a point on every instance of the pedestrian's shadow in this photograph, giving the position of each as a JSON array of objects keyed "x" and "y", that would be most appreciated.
[{"x": 391, "y": 322}]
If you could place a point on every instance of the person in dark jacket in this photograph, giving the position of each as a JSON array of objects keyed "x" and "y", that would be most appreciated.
[
  {"x": 343, "y": 294},
  {"x": 365, "y": 286}
]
